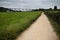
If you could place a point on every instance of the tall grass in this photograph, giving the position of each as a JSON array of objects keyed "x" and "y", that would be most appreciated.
[
  {"x": 13, "y": 23},
  {"x": 54, "y": 17}
]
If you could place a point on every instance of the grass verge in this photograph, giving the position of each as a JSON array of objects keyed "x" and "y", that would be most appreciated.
[
  {"x": 14, "y": 23},
  {"x": 54, "y": 18}
]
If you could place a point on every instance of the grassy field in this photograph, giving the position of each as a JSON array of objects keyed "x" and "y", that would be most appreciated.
[
  {"x": 54, "y": 17},
  {"x": 14, "y": 23}
]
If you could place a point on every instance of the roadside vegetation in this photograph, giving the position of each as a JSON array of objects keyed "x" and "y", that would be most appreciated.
[
  {"x": 54, "y": 17},
  {"x": 14, "y": 23}
]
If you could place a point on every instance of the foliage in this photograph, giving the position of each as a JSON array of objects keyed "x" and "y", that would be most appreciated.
[{"x": 54, "y": 17}]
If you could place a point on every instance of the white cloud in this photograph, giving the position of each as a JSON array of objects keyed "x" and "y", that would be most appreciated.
[{"x": 29, "y": 3}]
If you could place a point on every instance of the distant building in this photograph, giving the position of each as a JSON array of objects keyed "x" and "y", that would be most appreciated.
[{"x": 55, "y": 7}]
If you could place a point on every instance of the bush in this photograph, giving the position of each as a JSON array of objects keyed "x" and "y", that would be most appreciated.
[{"x": 54, "y": 17}]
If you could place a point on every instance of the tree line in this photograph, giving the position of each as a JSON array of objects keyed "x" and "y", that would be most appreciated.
[{"x": 2, "y": 9}]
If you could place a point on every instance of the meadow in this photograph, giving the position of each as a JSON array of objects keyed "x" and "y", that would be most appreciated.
[
  {"x": 13, "y": 24},
  {"x": 54, "y": 18}
]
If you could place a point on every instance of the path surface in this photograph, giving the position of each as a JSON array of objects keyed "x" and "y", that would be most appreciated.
[{"x": 41, "y": 29}]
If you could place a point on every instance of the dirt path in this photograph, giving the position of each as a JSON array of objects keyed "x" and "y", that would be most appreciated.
[{"x": 41, "y": 29}]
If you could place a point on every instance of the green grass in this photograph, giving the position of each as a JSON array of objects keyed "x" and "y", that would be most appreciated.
[
  {"x": 54, "y": 17},
  {"x": 14, "y": 23}
]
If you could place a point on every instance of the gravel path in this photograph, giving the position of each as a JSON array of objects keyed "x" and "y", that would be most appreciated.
[{"x": 41, "y": 29}]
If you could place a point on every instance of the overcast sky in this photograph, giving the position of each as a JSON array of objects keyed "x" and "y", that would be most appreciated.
[{"x": 29, "y": 3}]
